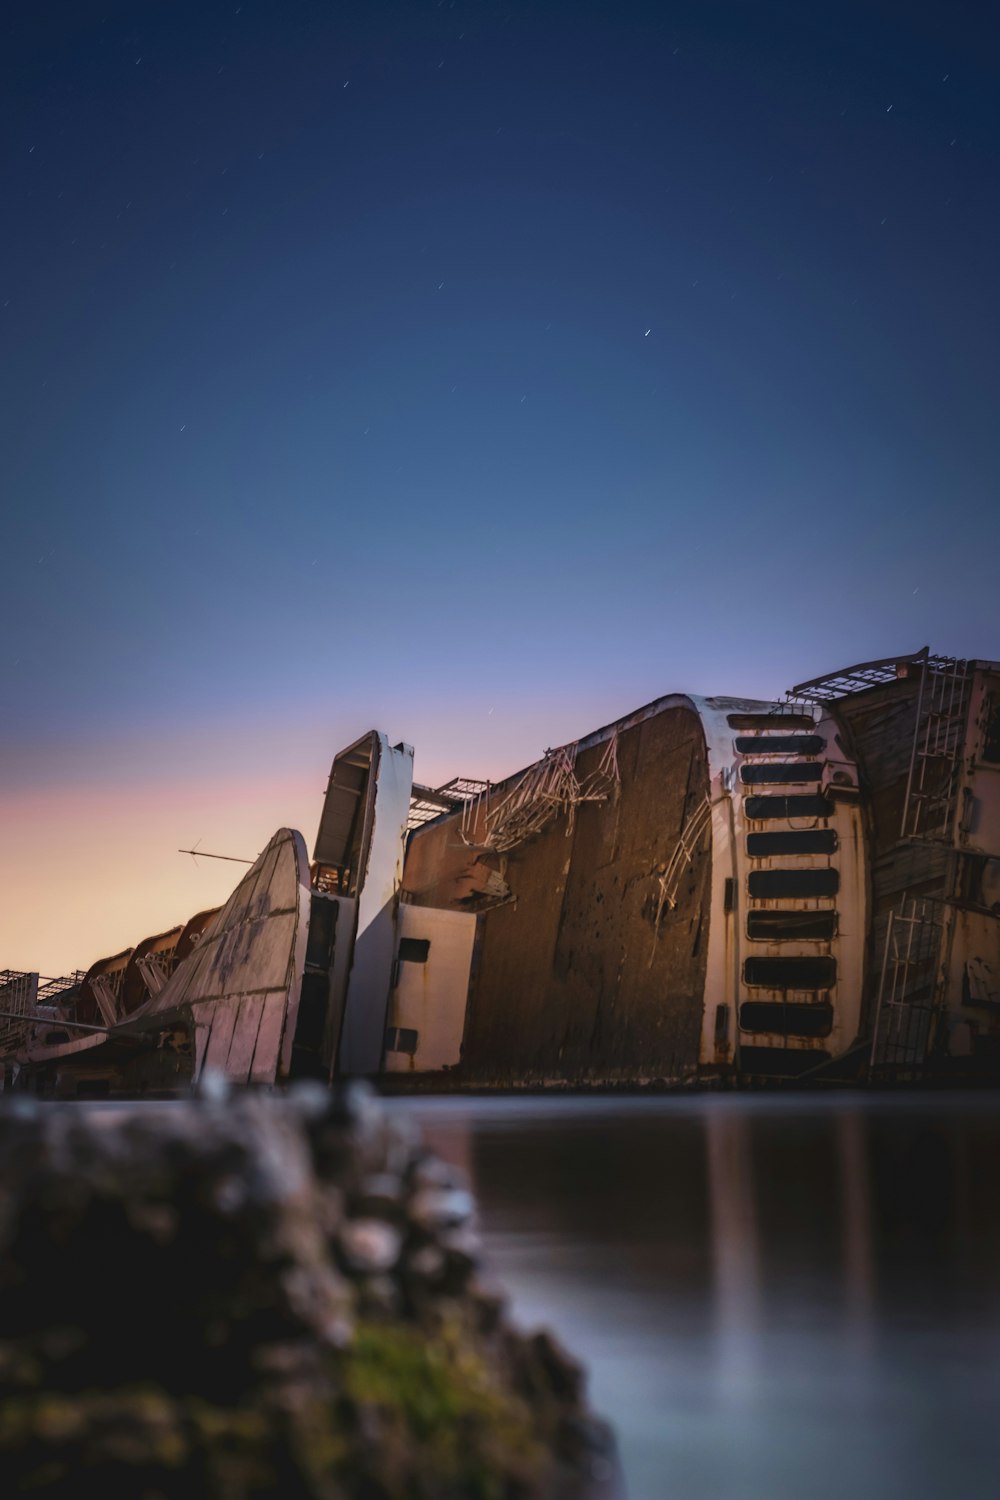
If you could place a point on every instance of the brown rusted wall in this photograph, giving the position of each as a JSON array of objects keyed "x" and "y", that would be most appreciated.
[
  {"x": 571, "y": 981},
  {"x": 878, "y": 729},
  {"x": 879, "y": 726}
]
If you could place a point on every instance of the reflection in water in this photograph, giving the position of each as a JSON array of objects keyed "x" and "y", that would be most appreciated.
[
  {"x": 735, "y": 1256},
  {"x": 777, "y": 1297},
  {"x": 856, "y": 1232}
]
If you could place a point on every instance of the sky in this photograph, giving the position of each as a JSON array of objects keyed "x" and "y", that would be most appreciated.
[{"x": 475, "y": 371}]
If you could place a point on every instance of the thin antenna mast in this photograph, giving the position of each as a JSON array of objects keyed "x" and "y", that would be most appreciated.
[{"x": 196, "y": 853}]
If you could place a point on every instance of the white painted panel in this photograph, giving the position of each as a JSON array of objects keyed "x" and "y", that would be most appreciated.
[
  {"x": 224, "y": 1015},
  {"x": 728, "y": 945},
  {"x": 244, "y": 1040},
  {"x": 430, "y": 998},
  {"x": 723, "y": 958},
  {"x": 265, "y": 1057},
  {"x": 363, "y": 1030}
]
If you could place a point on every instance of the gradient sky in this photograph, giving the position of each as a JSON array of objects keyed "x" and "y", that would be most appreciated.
[{"x": 478, "y": 371}]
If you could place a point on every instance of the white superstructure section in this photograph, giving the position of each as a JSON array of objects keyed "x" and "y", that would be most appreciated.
[
  {"x": 789, "y": 889},
  {"x": 429, "y": 998}
]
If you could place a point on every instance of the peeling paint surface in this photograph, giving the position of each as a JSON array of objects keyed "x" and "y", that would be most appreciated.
[{"x": 241, "y": 983}]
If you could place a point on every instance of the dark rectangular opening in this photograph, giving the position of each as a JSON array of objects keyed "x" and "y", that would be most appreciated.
[
  {"x": 414, "y": 950},
  {"x": 770, "y": 721},
  {"x": 792, "y": 841},
  {"x": 721, "y": 1025},
  {"x": 311, "y": 1017},
  {"x": 770, "y": 885},
  {"x": 779, "y": 1062},
  {"x": 322, "y": 926},
  {"x": 780, "y": 744},
  {"x": 791, "y": 973},
  {"x": 757, "y": 775},
  {"x": 758, "y": 809},
  {"x": 729, "y": 895},
  {"x": 401, "y": 1039},
  {"x": 786, "y": 1020},
  {"x": 792, "y": 926}
]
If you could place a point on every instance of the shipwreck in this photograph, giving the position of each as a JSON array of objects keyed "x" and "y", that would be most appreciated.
[{"x": 707, "y": 891}]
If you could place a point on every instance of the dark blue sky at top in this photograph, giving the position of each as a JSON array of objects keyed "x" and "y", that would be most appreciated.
[{"x": 368, "y": 355}]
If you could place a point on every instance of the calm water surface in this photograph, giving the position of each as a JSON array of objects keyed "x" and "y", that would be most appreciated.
[{"x": 793, "y": 1297}]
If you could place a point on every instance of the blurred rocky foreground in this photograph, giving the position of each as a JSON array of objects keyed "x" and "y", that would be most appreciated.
[{"x": 254, "y": 1296}]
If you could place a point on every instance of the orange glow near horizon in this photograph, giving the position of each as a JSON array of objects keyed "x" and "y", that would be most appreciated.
[
  {"x": 91, "y": 829},
  {"x": 88, "y": 859},
  {"x": 86, "y": 872}
]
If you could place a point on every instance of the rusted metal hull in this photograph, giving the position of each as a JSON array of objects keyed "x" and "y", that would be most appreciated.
[{"x": 708, "y": 891}]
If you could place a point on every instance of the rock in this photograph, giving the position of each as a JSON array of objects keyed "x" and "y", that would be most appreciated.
[
  {"x": 241, "y": 1297},
  {"x": 462, "y": 1252},
  {"x": 565, "y": 1374},
  {"x": 312, "y": 1101},
  {"x": 380, "y": 1195},
  {"x": 426, "y": 1264},
  {"x": 369, "y": 1245},
  {"x": 436, "y": 1209},
  {"x": 380, "y": 1296},
  {"x": 431, "y": 1172},
  {"x": 489, "y": 1302}
]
